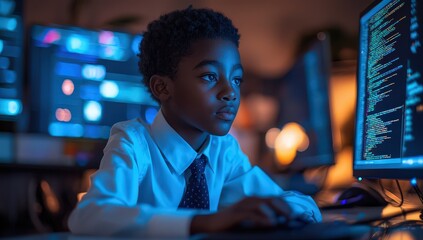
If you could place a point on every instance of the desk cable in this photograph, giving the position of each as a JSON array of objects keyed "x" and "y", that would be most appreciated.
[
  {"x": 391, "y": 200},
  {"x": 416, "y": 188}
]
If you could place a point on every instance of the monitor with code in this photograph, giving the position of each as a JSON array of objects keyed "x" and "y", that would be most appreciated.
[{"x": 389, "y": 124}]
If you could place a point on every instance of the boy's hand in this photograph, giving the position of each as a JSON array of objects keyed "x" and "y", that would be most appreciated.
[{"x": 252, "y": 211}]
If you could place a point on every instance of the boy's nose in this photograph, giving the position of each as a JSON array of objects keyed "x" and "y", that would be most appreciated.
[
  {"x": 230, "y": 96},
  {"x": 228, "y": 92}
]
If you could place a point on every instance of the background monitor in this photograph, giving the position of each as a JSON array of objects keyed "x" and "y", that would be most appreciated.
[
  {"x": 11, "y": 61},
  {"x": 83, "y": 81},
  {"x": 389, "y": 129},
  {"x": 304, "y": 111}
]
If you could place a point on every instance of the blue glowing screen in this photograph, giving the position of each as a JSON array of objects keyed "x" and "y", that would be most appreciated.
[
  {"x": 11, "y": 59},
  {"x": 83, "y": 81},
  {"x": 389, "y": 130}
]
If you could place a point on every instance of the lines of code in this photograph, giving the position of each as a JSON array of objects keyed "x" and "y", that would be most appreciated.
[
  {"x": 414, "y": 92},
  {"x": 414, "y": 88},
  {"x": 386, "y": 68}
]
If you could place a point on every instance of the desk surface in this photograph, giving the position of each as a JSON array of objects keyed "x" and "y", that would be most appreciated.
[
  {"x": 366, "y": 215},
  {"x": 353, "y": 232},
  {"x": 65, "y": 236},
  {"x": 330, "y": 228}
]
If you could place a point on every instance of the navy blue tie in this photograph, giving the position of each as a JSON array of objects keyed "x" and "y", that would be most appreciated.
[{"x": 196, "y": 193}]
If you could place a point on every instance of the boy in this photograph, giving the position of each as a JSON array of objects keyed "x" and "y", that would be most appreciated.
[{"x": 183, "y": 174}]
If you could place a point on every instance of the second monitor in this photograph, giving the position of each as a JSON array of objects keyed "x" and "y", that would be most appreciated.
[
  {"x": 304, "y": 116},
  {"x": 83, "y": 81}
]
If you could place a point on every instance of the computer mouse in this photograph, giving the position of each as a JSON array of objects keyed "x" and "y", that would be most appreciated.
[{"x": 360, "y": 195}]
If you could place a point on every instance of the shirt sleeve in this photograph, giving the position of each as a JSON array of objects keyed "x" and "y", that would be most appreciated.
[
  {"x": 244, "y": 180},
  {"x": 111, "y": 206}
]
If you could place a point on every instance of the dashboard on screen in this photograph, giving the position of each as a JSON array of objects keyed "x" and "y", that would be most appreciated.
[{"x": 83, "y": 81}]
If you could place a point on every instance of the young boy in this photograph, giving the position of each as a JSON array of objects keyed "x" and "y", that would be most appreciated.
[{"x": 184, "y": 174}]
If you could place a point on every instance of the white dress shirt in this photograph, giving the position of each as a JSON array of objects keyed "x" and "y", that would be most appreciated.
[{"x": 141, "y": 180}]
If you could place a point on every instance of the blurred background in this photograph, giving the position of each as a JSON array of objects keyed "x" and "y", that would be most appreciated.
[{"x": 69, "y": 71}]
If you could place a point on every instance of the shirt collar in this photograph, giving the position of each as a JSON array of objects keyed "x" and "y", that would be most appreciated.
[{"x": 175, "y": 149}]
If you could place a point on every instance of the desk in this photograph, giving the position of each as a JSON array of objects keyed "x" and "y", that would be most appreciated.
[
  {"x": 347, "y": 223},
  {"x": 366, "y": 215},
  {"x": 66, "y": 236},
  {"x": 320, "y": 231},
  {"x": 324, "y": 231},
  {"x": 353, "y": 232}
]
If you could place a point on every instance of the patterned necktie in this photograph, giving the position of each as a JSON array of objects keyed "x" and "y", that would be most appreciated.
[{"x": 196, "y": 193}]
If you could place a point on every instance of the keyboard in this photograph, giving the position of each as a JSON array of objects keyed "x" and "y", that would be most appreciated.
[{"x": 315, "y": 231}]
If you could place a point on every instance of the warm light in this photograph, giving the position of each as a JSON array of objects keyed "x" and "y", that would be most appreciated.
[
  {"x": 292, "y": 138},
  {"x": 51, "y": 200},
  {"x": 420, "y": 108},
  {"x": 68, "y": 87},
  {"x": 403, "y": 235},
  {"x": 80, "y": 195},
  {"x": 284, "y": 154},
  {"x": 68, "y": 115},
  {"x": 63, "y": 115},
  {"x": 271, "y": 136},
  {"x": 304, "y": 143}
]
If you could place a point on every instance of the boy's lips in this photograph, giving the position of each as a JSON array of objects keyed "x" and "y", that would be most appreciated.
[{"x": 226, "y": 113}]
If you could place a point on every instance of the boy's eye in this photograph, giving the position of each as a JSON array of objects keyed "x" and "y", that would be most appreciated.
[
  {"x": 237, "y": 81},
  {"x": 209, "y": 77}
]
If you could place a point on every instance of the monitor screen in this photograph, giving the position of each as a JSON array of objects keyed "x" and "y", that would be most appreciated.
[
  {"x": 83, "y": 81},
  {"x": 305, "y": 139},
  {"x": 389, "y": 129},
  {"x": 11, "y": 59}
]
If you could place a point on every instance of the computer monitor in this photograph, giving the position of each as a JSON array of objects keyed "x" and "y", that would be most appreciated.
[
  {"x": 389, "y": 129},
  {"x": 304, "y": 115},
  {"x": 11, "y": 60},
  {"x": 83, "y": 81}
]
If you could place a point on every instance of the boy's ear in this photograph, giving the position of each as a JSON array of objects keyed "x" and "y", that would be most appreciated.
[{"x": 161, "y": 87}]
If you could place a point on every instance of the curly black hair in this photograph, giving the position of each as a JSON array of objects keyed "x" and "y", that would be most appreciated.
[{"x": 170, "y": 37}]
